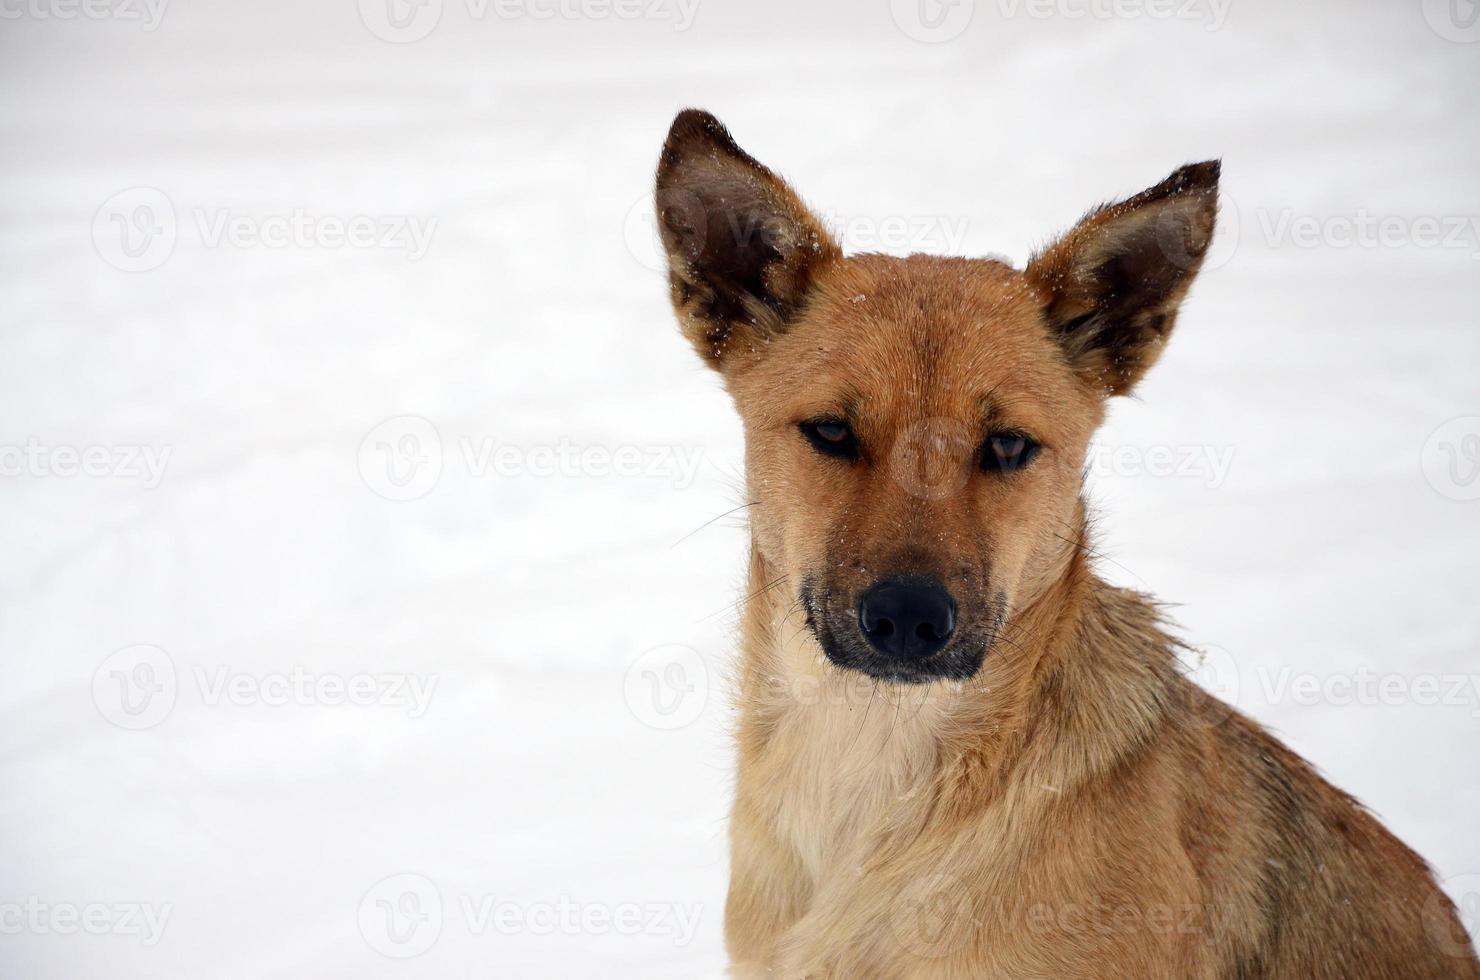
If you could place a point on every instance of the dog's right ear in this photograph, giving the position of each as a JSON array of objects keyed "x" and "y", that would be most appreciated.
[{"x": 743, "y": 251}]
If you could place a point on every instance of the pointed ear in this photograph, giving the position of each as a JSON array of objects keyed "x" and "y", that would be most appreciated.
[
  {"x": 743, "y": 250},
  {"x": 1112, "y": 286}
]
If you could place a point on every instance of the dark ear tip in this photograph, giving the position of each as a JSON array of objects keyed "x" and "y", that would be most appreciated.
[
  {"x": 694, "y": 122},
  {"x": 1196, "y": 177},
  {"x": 697, "y": 126}
]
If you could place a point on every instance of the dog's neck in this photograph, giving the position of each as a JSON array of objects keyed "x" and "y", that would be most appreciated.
[{"x": 1077, "y": 678}]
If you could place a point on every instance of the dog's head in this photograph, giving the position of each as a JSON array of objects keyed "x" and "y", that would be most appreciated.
[{"x": 916, "y": 428}]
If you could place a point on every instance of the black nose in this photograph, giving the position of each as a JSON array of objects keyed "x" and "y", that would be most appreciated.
[{"x": 907, "y": 618}]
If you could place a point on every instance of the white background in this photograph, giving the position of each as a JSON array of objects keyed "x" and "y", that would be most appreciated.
[{"x": 1329, "y": 371}]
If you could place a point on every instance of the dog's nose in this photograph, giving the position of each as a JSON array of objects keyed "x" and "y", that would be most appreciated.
[{"x": 907, "y": 618}]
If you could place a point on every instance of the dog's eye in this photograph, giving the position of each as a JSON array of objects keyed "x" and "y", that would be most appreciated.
[
  {"x": 832, "y": 437},
  {"x": 1007, "y": 452}
]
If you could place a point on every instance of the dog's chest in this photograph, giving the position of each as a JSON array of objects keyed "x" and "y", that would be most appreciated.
[{"x": 841, "y": 777}]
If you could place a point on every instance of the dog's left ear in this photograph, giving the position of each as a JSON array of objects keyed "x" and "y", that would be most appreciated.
[
  {"x": 1112, "y": 286},
  {"x": 743, "y": 250}
]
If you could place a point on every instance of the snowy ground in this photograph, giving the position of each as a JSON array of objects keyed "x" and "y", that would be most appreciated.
[{"x": 264, "y": 718}]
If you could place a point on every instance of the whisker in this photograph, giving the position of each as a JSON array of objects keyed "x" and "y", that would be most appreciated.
[
  {"x": 873, "y": 693},
  {"x": 744, "y": 599},
  {"x": 711, "y": 521}
]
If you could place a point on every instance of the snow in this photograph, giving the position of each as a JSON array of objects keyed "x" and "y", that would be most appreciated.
[{"x": 537, "y": 809}]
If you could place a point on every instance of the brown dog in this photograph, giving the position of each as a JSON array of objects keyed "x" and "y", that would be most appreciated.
[{"x": 962, "y": 755}]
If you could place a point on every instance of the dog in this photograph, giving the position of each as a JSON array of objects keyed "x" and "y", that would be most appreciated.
[{"x": 961, "y": 753}]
